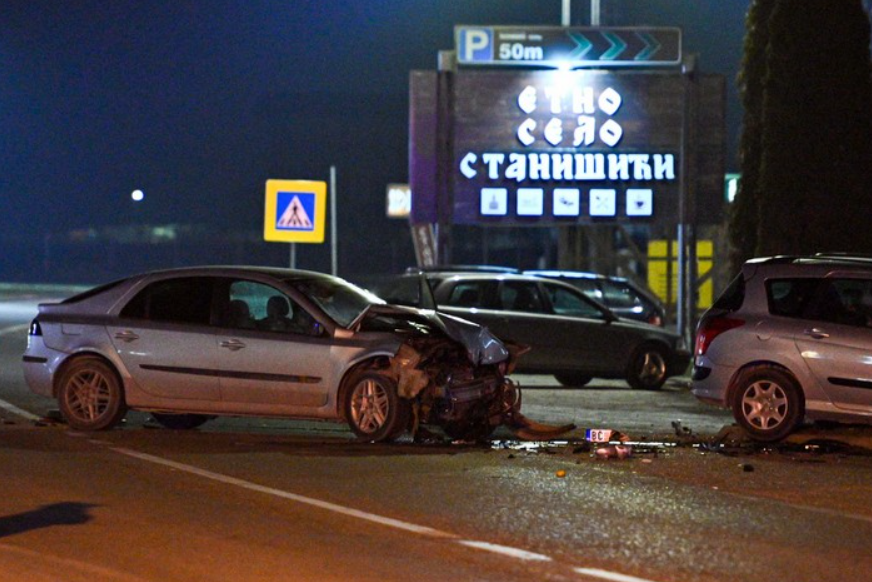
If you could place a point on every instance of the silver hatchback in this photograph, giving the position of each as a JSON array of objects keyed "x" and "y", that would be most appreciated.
[
  {"x": 191, "y": 344},
  {"x": 790, "y": 338}
]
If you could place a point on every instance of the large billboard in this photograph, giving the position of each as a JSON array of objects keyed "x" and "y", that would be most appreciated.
[{"x": 544, "y": 148}]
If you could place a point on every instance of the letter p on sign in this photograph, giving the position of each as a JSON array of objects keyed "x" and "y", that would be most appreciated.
[{"x": 476, "y": 45}]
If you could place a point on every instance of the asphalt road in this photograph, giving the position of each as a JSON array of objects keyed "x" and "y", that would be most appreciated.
[{"x": 247, "y": 499}]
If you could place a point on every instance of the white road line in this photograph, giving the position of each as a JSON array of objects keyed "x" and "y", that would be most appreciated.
[
  {"x": 394, "y": 523},
  {"x": 506, "y": 551},
  {"x": 606, "y": 575},
  {"x": 811, "y": 508},
  {"x": 14, "y": 328},
  {"x": 8, "y": 406}
]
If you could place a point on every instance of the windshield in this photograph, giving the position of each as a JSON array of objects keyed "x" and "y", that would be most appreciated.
[{"x": 339, "y": 299}]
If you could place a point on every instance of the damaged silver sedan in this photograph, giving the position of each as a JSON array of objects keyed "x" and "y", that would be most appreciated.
[{"x": 188, "y": 345}]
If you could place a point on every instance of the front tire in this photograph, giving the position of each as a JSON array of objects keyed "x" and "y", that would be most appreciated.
[
  {"x": 647, "y": 369},
  {"x": 90, "y": 395},
  {"x": 767, "y": 403},
  {"x": 374, "y": 410}
]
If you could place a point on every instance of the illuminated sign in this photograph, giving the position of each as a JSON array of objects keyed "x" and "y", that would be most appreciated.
[
  {"x": 294, "y": 211},
  {"x": 541, "y": 148},
  {"x": 566, "y": 146},
  {"x": 567, "y": 48}
]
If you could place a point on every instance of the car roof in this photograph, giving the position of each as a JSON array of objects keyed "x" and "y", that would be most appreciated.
[
  {"x": 462, "y": 269},
  {"x": 556, "y": 273},
  {"x": 813, "y": 264},
  {"x": 468, "y": 276},
  {"x": 235, "y": 270}
]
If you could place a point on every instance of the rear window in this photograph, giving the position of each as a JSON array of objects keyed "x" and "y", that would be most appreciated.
[
  {"x": 182, "y": 300},
  {"x": 790, "y": 297},
  {"x": 733, "y": 296},
  {"x": 619, "y": 295},
  {"x": 92, "y": 292}
]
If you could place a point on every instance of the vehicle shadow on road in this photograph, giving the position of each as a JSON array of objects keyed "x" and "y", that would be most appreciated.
[{"x": 66, "y": 513}]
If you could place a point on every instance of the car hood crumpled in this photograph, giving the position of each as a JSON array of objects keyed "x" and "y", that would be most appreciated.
[{"x": 482, "y": 347}]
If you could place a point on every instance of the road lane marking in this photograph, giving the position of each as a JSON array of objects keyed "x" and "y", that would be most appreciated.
[
  {"x": 506, "y": 551},
  {"x": 8, "y": 406},
  {"x": 14, "y": 328},
  {"x": 606, "y": 575},
  {"x": 226, "y": 479},
  {"x": 810, "y": 508}
]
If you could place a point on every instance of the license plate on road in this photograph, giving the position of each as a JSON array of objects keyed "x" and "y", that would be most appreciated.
[{"x": 598, "y": 435}]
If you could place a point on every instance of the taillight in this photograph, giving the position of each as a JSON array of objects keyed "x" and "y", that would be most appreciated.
[
  {"x": 35, "y": 329},
  {"x": 655, "y": 319},
  {"x": 711, "y": 328}
]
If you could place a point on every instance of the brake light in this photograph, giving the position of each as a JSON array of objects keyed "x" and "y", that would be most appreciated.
[
  {"x": 711, "y": 328},
  {"x": 35, "y": 328}
]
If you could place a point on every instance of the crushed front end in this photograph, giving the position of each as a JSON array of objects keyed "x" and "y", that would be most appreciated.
[{"x": 456, "y": 374}]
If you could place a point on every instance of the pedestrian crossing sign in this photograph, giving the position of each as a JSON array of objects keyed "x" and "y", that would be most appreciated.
[{"x": 295, "y": 211}]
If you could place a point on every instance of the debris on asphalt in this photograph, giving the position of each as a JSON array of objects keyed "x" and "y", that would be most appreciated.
[
  {"x": 561, "y": 473},
  {"x": 614, "y": 452},
  {"x": 683, "y": 433},
  {"x": 747, "y": 467}
]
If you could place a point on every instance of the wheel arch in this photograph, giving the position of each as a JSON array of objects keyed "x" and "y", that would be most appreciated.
[
  {"x": 371, "y": 362},
  {"x": 733, "y": 386},
  {"x": 59, "y": 373}
]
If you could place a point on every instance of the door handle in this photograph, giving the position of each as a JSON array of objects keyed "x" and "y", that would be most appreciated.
[
  {"x": 232, "y": 345},
  {"x": 126, "y": 336},
  {"x": 816, "y": 333}
]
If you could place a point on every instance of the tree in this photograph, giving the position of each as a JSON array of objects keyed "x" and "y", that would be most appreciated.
[
  {"x": 745, "y": 211},
  {"x": 815, "y": 168}
]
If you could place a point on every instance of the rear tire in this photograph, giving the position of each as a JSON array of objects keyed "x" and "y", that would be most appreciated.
[
  {"x": 570, "y": 379},
  {"x": 90, "y": 395},
  {"x": 374, "y": 410},
  {"x": 180, "y": 421},
  {"x": 767, "y": 403}
]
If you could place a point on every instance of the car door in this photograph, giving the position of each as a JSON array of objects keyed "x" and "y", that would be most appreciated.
[
  {"x": 270, "y": 362},
  {"x": 164, "y": 338},
  {"x": 585, "y": 335},
  {"x": 835, "y": 341}
]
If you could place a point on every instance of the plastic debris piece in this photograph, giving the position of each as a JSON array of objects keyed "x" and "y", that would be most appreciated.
[
  {"x": 614, "y": 452},
  {"x": 561, "y": 473}
]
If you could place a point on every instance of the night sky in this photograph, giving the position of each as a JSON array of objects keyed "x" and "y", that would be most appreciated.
[{"x": 198, "y": 103}]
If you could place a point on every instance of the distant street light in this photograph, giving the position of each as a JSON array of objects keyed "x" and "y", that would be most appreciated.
[{"x": 137, "y": 195}]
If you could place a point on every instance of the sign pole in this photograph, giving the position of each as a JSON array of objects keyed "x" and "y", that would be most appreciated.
[
  {"x": 334, "y": 223},
  {"x": 444, "y": 155},
  {"x": 293, "y": 255}
]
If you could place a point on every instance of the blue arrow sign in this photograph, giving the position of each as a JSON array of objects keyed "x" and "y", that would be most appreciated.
[
  {"x": 564, "y": 47},
  {"x": 584, "y": 46},
  {"x": 618, "y": 46},
  {"x": 651, "y": 47}
]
